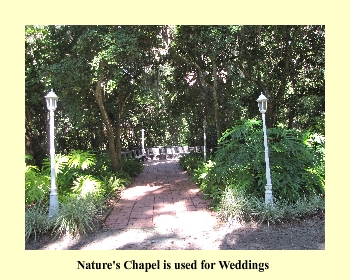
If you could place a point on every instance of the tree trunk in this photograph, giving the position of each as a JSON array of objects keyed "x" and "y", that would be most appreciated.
[
  {"x": 117, "y": 134},
  {"x": 271, "y": 113},
  {"x": 121, "y": 102},
  {"x": 110, "y": 134},
  {"x": 216, "y": 103}
]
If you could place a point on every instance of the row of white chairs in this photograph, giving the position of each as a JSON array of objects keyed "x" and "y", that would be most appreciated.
[{"x": 161, "y": 152}]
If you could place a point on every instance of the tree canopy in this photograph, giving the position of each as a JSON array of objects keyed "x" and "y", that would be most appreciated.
[{"x": 113, "y": 81}]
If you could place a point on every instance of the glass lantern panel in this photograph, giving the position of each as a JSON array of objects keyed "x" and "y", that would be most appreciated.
[{"x": 51, "y": 103}]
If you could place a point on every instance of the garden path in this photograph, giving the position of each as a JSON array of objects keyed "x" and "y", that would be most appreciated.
[{"x": 162, "y": 196}]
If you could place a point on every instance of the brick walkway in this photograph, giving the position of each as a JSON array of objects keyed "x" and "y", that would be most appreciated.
[{"x": 161, "y": 197}]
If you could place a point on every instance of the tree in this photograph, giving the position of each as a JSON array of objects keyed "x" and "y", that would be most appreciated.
[
  {"x": 112, "y": 61},
  {"x": 205, "y": 50},
  {"x": 287, "y": 64},
  {"x": 38, "y": 55},
  {"x": 112, "y": 81}
]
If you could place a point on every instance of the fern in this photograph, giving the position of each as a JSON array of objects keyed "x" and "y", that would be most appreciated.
[
  {"x": 60, "y": 164},
  {"x": 37, "y": 185},
  {"x": 81, "y": 159},
  {"x": 86, "y": 184}
]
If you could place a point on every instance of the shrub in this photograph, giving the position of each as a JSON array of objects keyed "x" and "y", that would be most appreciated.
[
  {"x": 191, "y": 162},
  {"x": 83, "y": 170},
  {"x": 37, "y": 222},
  {"x": 102, "y": 168},
  {"x": 297, "y": 168},
  {"x": 132, "y": 167},
  {"x": 234, "y": 179},
  {"x": 84, "y": 183}
]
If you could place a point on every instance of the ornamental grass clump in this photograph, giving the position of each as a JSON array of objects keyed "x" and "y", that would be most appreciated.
[
  {"x": 37, "y": 222},
  {"x": 77, "y": 216},
  {"x": 236, "y": 206}
]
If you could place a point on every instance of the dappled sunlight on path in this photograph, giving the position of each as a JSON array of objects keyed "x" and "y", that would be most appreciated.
[{"x": 162, "y": 197}]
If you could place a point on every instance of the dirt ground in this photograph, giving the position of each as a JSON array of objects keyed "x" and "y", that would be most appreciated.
[{"x": 308, "y": 234}]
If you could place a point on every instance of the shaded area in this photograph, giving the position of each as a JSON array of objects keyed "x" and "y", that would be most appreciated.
[
  {"x": 303, "y": 235},
  {"x": 163, "y": 210},
  {"x": 308, "y": 234}
]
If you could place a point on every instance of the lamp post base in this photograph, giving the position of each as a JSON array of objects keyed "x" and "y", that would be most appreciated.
[
  {"x": 268, "y": 194},
  {"x": 53, "y": 208}
]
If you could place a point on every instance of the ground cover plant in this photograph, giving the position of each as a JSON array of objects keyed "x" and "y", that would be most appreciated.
[
  {"x": 235, "y": 177},
  {"x": 85, "y": 183}
]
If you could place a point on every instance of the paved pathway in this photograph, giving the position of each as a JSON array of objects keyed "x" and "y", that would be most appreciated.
[{"x": 161, "y": 197}]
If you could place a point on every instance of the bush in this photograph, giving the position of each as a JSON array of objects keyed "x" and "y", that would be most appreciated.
[
  {"x": 296, "y": 163},
  {"x": 132, "y": 167},
  {"x": 82, "y": 172},
  {"x": 235, "y": 178},
  {"x": 37, "y": 222},
  {"x": 102, "y": 167},
  {"x": 191, "y": 162}
]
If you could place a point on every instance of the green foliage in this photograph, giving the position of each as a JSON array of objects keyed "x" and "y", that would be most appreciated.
[
  {"x": 78, "y": 215},
  {"x": 37, "y": 185},
  {"x": 169, "y": 98},
  {"x": 132, "y": 167},
  {"x": 191, "y": 162},
  {"x": 79, "y": 173},
  {"x": 37, "y": 222},
  {"x": 75, "y": 160},
  {"x": 115, "y": 183},
  {"x": 238, "y": 206},
  {"x": 86, "y": 184},
  {"x": 81, "y": 159},
  {"x": 240, "y": 163},
  {"x": 102, "y": 167},
  {"x": 296, "y": 163}
]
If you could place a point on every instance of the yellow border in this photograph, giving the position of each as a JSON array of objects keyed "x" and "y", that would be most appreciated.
[{"x": 63, "y": 264}]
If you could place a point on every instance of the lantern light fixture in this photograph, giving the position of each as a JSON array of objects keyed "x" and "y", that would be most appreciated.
[{"x": 262, "y": 103}]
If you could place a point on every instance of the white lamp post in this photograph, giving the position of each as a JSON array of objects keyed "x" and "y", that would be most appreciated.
[
  {"x": 205, "y": 138},
  {"x": 262, "y": 103},
  {"x": 143, "y": 141},
  {"x": 51, "y": 102}
]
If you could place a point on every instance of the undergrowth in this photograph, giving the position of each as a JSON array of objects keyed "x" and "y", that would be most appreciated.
[
  {"x": 239, "y": 207},
  {"x": 85, "y": 183},
  {"x": 234, "y": 177}
]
